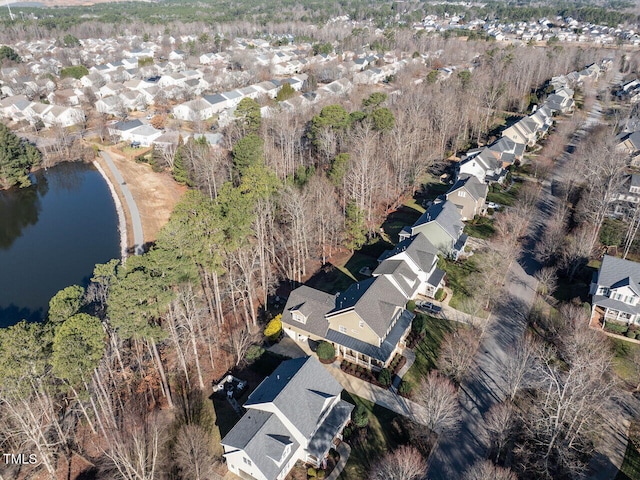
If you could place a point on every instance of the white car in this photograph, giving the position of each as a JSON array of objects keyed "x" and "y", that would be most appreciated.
[{"x": 494, "y": 205}]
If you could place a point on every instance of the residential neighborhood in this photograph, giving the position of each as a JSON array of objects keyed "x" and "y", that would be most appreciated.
[{"x": 371, "y": 240}]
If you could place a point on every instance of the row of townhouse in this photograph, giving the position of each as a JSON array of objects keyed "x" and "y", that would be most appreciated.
[
  {"x": 19, "y": 108},
  {"x": 490, "y": 163}
]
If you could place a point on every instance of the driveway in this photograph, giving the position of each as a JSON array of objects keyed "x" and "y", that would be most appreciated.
[{"x": 138, "y": 238}]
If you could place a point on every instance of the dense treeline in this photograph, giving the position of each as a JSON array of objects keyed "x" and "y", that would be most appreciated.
[{"x": 109, "y": 17}]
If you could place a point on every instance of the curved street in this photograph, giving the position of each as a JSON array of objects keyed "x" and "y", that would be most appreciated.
[{"x": 138, "y": 237}]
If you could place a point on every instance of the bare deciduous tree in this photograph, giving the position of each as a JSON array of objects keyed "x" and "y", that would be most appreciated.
[
  {"x": 518, "y": 364},
  {"x": 499, "y": 421},
  {"x": 404, "y": 463},
  {"x": 486, "y": 470},
  {"x": 457, "y": 351},
  {"x": 440, "y": 399},
  {"x": 193, "y": 454}
]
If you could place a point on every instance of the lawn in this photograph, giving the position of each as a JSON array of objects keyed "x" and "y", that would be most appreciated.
[
  {"x": 481, "y": 227},
  {"x": 427, "y": 350},
  {"x": 622, "y": 361},
  {"x": 503, "y": 197},
  {"x": 457, "y": 274},
  {"x": 630, "y": 469},
  {"x": 403, "y": 216},
  {"x": 386, "y": 431}
]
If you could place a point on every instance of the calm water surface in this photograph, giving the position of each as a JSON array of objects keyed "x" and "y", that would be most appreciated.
[{"x": 51, "y": 236}]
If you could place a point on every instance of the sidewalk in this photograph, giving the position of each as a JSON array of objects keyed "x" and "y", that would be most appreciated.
[
  {"x": 344, "y": 450},
  {"x": 379, "y": 396}
]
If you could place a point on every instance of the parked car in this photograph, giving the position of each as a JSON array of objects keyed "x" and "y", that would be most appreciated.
[
  {"x": 428, "y": 307},
  {"x": 494, "y": 205}
]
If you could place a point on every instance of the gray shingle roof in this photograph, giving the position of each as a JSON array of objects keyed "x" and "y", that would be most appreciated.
[
  {"x": 214, "y": 99},
  {"x": 471, "y": 184},
  {"x": 375, "y": 300},
  {"x": 445, "y": 214},
  {"x": 314, "y": 304},
  {"x": 299, "y": 388},
  {"x": 418, "y": 248},
  {"x": 262, "y": 436},
  {"x": 130, "y": 125},
  {"x": 323, "y": 437},
  {"x": 614, "y": 270},
  {"x": 406, "y": 278}
]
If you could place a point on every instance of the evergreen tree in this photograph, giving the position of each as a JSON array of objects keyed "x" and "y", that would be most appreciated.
[
  {"x": 16, "y": 159},
  {"x": 354, "y": 227},
  {"x": 248, "y": 116}
]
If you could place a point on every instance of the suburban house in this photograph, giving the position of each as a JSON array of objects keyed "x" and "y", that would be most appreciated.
[
  {"x": 442, "y": 225},
  {"x": 509, "y": 151},
  {"x": 469, "y": 195},
  {"x": 626, "y": 199},
  {"x": 296, "y": 413},
  {"x": 615, "y": 291},
  {"x": 523, "y": 131},
  {"x": 367, "y": 323},
  {"x": 629, "y": 143},
  {"x": 420, "y": 256},
  {"x": 486, "y": 164}
]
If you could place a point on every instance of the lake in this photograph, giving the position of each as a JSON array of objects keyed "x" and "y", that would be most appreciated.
[{"x": 51, "y": 236}]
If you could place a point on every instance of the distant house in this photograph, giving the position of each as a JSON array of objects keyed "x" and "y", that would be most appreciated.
[
  {"x": 629, "y": 143},
  {"x": 296, "y": 413},
  {"x": 469, "y": 195},
  {"x": 485, "y": 164},
  {"x": 615, "y": 291},
  {"x": 442, "y": 225},
  {"x": 421, "y": 257},
  {"x": 626, "y": 199},
  {"x": 523, "y": 131}
]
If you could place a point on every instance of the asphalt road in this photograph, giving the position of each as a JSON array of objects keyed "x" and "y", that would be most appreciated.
[
  {"x": 138, "y": 237},
  {"x": 485, "y": 386}
]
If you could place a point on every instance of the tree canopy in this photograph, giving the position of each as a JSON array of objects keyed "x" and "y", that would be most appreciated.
[
  {"x": 16, "y": 159},
  {"x": 9, "y": 53}
]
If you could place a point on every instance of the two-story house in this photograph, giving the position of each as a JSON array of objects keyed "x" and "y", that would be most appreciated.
[
  {"x": 442, "y": 225},
  {"x": 420, "y": 256},
  {"x": 625, "y": 201},
  {"x": 469, "y": 195},
  {"x": 367, "y": 323},
  {"x": 486, "y": 164},
  {"x": 615, "y": 290},
  {"x": 296, "y": 413}
]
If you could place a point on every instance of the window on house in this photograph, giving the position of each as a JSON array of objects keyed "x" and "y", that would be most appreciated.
[
  {"x": 462, "y": 193},
  {"x": 361, "y": 323},
  {"x": 342, "y": 329},
  {"x": 246, "y": 461},
  {"x": 298, "y": 317}
]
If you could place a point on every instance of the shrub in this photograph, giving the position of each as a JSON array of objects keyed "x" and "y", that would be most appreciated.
[
  {"x": 440, "y": 295},
  {"x": 419, "y": 324},
  {"x": 618, "y": 328},
  {"x": 360, "y": 416},
  {"x": 274, "y": 328},
  {"x": 312, "y": 472},
  {"x": 405, "y": 388},
  {"x": 630, "y": 334},
  {"x": 411, "y": 305},
  {"x": 320, "y": 474},
  {"x": 254, "y": 352},
  {"x": 326, "y": 351},
  {"x": 384, "y": 377}
]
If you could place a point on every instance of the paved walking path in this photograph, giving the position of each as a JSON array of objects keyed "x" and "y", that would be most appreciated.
[
  {"x": 344, "y": 450},
  {"x": 378, "y": 395},
  {"x": 138, "y": 238}
]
